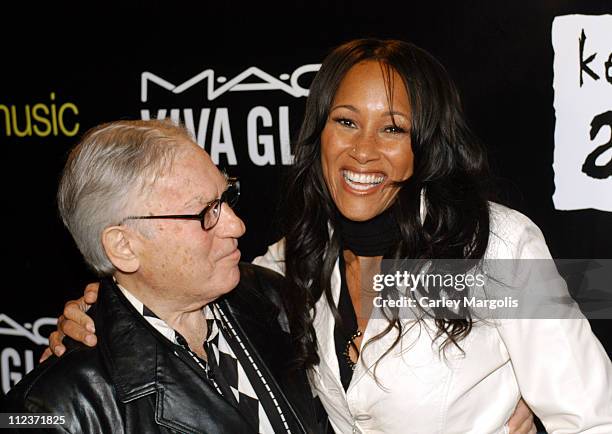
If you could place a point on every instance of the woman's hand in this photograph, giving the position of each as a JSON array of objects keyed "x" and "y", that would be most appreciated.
[
  {"x": 521, "y": 421},
  {"x": 74, "y": 322}
]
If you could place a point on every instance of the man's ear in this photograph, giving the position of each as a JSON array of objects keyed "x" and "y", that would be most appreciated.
[{"x": 119, "y": 245}]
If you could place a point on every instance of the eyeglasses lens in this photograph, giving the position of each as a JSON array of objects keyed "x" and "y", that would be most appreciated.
[{"x": 229, "y": 196}]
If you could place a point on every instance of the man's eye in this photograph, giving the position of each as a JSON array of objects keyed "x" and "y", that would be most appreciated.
[{"x": 345, "y": 122}]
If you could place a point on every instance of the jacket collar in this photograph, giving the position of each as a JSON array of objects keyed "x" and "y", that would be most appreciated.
[{"x": 141, "y": 362}]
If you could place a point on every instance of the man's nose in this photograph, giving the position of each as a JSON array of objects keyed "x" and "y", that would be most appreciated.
[{"x": 230, "y": 225}]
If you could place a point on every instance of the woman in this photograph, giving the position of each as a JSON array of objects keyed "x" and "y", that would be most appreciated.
[{"x": 386, "y": 168}]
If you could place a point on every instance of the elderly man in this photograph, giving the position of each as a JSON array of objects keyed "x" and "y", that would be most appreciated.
[{"x": 177, "y": 351}]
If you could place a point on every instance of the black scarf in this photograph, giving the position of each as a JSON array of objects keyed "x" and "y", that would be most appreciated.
[{"x": 372, "y": 237}]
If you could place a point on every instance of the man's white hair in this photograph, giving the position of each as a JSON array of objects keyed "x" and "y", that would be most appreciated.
[{"x": 106, "y": 174}]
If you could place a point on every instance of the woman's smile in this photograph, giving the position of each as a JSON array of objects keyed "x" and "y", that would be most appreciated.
[
  {"x": 362, "y": 182},
  {"x": 366, "y": 144}
]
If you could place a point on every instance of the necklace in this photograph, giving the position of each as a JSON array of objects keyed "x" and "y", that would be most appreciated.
[{"x": 346, "y": 353}]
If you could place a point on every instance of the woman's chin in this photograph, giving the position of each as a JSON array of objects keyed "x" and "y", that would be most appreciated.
[
  {"x": 363, "y": 208},
  {"x": 360, "y": 214}
]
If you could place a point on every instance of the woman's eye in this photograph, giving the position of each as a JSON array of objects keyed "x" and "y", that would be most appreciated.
[
  {"x": 394, "y": 129},
  {"x": 345, "y": 122}
]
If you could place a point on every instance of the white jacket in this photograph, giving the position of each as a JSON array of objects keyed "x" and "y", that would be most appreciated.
[{"x": 557, "y": 365}]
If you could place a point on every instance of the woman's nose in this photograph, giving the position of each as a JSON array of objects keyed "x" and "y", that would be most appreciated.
[{"x": 365, "y": 147}]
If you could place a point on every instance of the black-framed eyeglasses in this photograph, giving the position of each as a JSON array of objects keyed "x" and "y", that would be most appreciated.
[{"x": 209, "y": 216}]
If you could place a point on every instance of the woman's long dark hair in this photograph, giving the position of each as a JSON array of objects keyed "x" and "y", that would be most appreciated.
[{"x": 450, "y": 166}]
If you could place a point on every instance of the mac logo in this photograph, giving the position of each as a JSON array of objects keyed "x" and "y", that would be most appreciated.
[
  {"x": 30, "y": 331},
  {"x": 288, "y": 83}
]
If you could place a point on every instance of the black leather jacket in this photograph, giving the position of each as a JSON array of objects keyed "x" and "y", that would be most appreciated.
[{"x": 133, "y": 382}]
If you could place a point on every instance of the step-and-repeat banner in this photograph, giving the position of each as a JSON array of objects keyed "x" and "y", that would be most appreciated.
[{"x": 536, "y": 82}]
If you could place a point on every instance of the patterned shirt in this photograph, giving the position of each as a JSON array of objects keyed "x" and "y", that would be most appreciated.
[{"x": 230, "y": 367}]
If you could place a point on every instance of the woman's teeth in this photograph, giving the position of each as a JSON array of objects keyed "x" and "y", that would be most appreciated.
[{"x": 362, "y": 181}]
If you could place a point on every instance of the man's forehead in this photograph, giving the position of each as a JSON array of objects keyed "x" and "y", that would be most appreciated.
[
  {"x": 192, "y": 178},
  {"x": 195, "y": 162}
]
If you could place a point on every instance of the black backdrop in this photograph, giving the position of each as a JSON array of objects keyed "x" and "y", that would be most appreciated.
[{"x": 67, "y": 58}]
